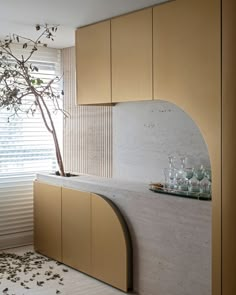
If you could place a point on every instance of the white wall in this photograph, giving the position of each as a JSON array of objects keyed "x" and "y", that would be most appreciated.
[{"x": 145, "y": 133}]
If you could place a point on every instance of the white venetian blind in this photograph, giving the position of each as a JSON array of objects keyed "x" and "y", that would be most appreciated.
[{"x": 26, "y": 147}]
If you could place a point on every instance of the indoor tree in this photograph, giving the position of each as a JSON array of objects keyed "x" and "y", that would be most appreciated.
[{"x": 19, "y": 83}]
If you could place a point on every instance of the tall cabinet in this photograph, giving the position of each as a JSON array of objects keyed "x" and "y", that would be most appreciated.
[{"x": 195, "y": 67}]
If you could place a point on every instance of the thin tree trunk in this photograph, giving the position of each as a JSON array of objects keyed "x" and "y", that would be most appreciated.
[
  {"x": 55, "y": 139},
  {"x": 52, "y": 130}
]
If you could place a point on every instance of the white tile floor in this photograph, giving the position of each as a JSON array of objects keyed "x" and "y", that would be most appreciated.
[{"x": 74, "y": 281}]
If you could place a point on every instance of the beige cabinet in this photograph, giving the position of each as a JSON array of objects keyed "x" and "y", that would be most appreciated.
[
  {"x": 131, "y": 47},
  {"x": 185, "y": 52},
  {"x": 187, "y": 72},
  {"x": 195, "y": 68},
  {"x": 93, "y": 64},
  {"x": 83, "y": 230},
  {"x": 47, "y": 220},
  {"x": 76, "y": 233},
  {"x": 110, "y": 249}
]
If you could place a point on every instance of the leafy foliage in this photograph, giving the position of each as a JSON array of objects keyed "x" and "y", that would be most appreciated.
[{"x": 20, "y": 88}]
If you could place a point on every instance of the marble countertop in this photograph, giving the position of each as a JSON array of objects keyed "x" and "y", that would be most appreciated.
[
  {"x": 101, "y": 185},
  {"x": 76, "y": 181}
]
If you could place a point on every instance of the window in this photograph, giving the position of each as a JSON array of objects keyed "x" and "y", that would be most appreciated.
[{"x": 26, "y": 147}]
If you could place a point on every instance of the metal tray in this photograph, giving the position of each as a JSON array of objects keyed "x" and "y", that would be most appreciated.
[{"x": 183, "y": 194}]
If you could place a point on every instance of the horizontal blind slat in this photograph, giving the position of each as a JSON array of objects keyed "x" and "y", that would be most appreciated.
[
  {"x": 15, "y": 229},
  {"x": 26, "y": 147}
]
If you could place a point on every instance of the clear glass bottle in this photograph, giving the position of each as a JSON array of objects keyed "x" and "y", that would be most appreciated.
[{"x": 182, "y": 184}]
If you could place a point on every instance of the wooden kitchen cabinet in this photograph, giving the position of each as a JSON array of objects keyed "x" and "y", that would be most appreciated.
[
  {"x": 47, "y": 220},
  {"x": 109, "y": 244},
  {"x": 131, "y": 46},
  {"x": 76, "y": 233},
  {"x": 186, "y": 52},
  {"x": 195, "y": 68},
  {"x": 93, "y": 64},
  {"x": 83, "y": 230}
]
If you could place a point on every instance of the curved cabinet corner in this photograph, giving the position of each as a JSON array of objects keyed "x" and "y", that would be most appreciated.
[
  {"x": 111, "y": 247},
  {"x": 85, "y": 231}
]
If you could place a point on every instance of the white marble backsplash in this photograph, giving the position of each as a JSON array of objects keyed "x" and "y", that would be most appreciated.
[{"x": 145, "y": 133}]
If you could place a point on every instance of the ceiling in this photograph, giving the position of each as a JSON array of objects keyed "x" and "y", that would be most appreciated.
[{"x": 20, "y": 17}]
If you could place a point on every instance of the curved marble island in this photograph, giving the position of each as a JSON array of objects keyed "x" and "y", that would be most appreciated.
[{"x": 171, "y": 236}]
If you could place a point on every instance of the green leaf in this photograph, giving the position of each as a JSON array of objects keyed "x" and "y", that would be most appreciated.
[{"x": 39, "y": 81}]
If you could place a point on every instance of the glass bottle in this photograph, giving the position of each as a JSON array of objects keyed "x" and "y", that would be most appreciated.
[{"x": 182, "y": 184}]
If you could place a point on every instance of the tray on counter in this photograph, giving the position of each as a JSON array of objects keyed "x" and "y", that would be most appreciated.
[{"x": 184, "y": 194}]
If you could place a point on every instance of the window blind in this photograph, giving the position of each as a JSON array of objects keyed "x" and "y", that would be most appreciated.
[{"x": 26, "y": 147}]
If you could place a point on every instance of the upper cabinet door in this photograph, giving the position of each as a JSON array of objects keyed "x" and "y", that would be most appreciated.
[
  {"x": 93, "y": 63},
  {"x": 186, "y": 52},
  {"x": 131, "y": 46}
]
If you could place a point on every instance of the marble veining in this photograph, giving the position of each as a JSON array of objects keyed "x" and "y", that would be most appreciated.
[{"x": 146, "y": 133}]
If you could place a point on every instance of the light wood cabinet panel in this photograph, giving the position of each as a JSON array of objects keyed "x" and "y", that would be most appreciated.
[
  {"x": 131, "y": 46},
  {"x": 229, "y": 147},
  {"x": 85, "y": 231},
  {"x": 186, "y": 51},
  {"x": 47, "y": 220},
  {"x": 110, "y": 249},
  {"x": 76, "y": 229},
  {"x": 93, "y": 64},
  {"x": 187, "y": 72}
]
